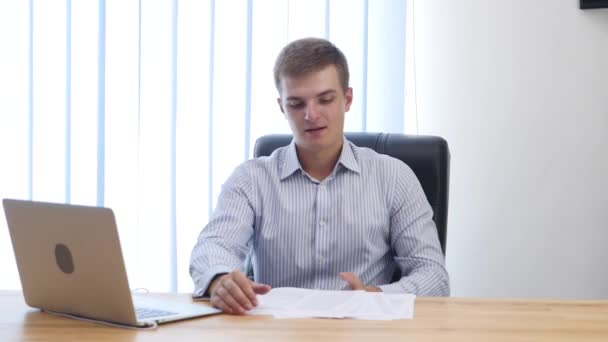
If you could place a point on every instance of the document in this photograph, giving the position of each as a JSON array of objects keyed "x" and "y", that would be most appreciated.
[{"x": 288, "y": 302}]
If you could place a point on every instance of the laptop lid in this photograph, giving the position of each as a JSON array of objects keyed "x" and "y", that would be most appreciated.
[{"x": 70, "y": 261}]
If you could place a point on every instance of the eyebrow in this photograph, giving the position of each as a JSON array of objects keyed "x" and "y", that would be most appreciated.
[{"x": 327, "y": 92}]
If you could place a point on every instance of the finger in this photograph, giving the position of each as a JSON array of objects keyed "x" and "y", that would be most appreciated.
[
  {"x": 236, "y": 292},
  {"x": 373, "y": 289},
  {"x": 246, "y": 287},
  {"x": 217, "y": 302},
  {"x": 261, "y": 288},
  {"x": 353, "y": 281},
  {"x": 226, "y": 296}
]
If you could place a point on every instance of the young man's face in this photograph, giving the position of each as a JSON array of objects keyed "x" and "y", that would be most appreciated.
[{"x": 314, "y": 105}]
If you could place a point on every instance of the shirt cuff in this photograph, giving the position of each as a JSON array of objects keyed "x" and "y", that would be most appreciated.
[
  {"x": 201, "y": 284},
  {"x": 395, "y": 288}
]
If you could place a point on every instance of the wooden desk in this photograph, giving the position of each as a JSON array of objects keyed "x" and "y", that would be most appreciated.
[{"x": 435, "y": 319}]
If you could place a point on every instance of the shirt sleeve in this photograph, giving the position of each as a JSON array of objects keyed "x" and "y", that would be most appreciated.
[
  {"x": 414, "y": 240},
  {"x": 223, "y": 244}
]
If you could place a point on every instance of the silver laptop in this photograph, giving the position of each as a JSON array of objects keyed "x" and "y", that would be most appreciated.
[{"x": 70, "y": 261}]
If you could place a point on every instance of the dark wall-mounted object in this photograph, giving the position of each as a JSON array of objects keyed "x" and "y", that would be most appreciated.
[{"x": 585, "y": 4}]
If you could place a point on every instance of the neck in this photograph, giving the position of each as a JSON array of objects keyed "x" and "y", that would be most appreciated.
[{"x": 319, "y": 164}]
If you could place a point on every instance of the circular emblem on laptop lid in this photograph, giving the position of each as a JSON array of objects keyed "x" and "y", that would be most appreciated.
[{"x": 63, "y": 257}]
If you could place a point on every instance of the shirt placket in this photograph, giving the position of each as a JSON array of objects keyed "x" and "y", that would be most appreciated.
[{"x": 321, "y": 231}]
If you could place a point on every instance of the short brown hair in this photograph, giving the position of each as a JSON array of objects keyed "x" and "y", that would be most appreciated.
[{"x": 309, "y": 55}]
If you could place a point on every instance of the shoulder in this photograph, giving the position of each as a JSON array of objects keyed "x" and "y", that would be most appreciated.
[
  {"x": 369, "y": 159},
  {"x": 263, "y": 166}
]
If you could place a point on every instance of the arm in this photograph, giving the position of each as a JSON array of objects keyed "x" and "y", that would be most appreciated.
[
  {"x": 223, "y": 244},
  {"x": 414, "y": 240}
]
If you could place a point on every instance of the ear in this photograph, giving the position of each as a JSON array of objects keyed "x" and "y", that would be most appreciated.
[
  {"x": 348, "y": 96},
  {"x": 280, "y": 105}
]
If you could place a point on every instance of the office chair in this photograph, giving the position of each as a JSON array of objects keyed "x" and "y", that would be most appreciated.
[{"x": 427, "y": 156}]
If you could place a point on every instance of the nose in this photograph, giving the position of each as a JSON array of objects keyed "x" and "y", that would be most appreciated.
[{"x": 312, "y": 112}]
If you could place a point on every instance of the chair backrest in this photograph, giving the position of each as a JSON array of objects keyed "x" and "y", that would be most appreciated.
[{"x": 427, "y": 156}]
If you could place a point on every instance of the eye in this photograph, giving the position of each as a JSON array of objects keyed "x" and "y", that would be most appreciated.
[
  {"x": 327, "y": 99},
  {"x": 295, "y": 104}
]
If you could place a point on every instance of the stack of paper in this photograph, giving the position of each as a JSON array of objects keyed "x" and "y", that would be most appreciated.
[{"x": 287, "y": 302}]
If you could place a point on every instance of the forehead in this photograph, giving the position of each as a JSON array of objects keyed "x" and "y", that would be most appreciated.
[{"x": 311, "y": 83}]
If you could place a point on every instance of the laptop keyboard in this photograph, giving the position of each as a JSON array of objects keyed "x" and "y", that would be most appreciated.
[{"x": 143, "y": 313}]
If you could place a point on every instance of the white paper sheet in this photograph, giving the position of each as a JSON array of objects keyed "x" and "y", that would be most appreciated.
[{"x": 287, "y": 302}]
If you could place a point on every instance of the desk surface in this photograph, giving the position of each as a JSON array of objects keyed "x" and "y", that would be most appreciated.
[{"x": 435, "y": 319}]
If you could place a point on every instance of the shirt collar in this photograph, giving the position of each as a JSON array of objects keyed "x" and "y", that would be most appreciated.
[
  {"x": 292, "y": 163},
  {"x": 347, "y": 157}
]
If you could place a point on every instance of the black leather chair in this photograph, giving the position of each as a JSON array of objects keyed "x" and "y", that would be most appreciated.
[{"x": 427, "y": 156}]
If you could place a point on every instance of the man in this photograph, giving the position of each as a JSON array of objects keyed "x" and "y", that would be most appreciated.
[{"x": 321, "y": 212}]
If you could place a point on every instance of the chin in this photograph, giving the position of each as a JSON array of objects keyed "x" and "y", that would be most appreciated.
[{"x": 318, "y": 143}]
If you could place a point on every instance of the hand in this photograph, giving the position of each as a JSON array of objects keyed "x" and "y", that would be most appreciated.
[
  {"x": 234, "y": 293},
  {"x": 355, "y": 283}
]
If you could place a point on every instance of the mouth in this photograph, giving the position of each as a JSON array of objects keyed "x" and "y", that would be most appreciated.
[{"x": 315, "y": 129}]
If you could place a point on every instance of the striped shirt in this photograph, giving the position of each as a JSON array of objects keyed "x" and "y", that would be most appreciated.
[{"x": 369, "y": 216}]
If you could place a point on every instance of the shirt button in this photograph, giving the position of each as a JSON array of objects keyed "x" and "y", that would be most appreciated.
[{"x": 322, "y": 223}]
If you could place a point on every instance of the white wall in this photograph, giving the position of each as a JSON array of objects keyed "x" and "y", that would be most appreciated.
[{"x": 519, "y": 89}]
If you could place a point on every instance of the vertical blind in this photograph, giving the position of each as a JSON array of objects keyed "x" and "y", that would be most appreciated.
[{"x": 146, "y": 106}]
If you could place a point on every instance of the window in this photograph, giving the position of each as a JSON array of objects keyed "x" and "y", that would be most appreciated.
[{"x": 147, "y": 106}]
